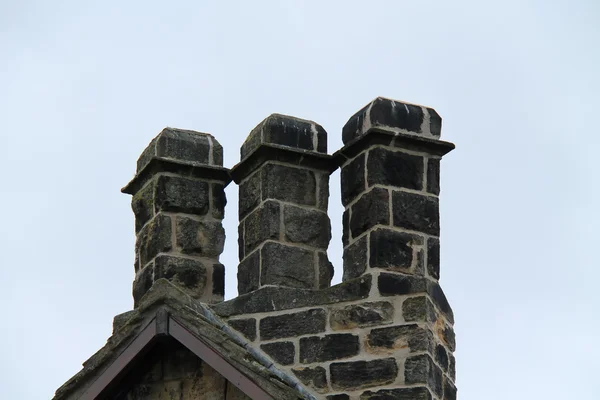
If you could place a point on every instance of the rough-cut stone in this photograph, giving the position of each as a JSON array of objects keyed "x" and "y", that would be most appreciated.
[
  {"x": 262, "y": 224},
  {"x": 248, "y": 275},
  {"x": 371, "y": 209},
  {"x": 441, "y": 357},
  {"x": 435, "y": 123},
  {"x": 331, "y": 347},
  {"x": 325, "y": 271},
  {"x": 451, "y": 366},
  {"x": 355, "y": 259},
  {"x": 346, "y": 227},
  {"x": 449, "y": 390},
  {"x": 181, "y": 195},
  {"x": 447, "y": 336},
  {"x": 308, "y": 227},
  {"x": 416, "y": 212},
  {"x": 142, "y": 204},
  {"x": 246, "y": 327},
  {"x": 433, "y": 258},
  {"x": 393, "y": 250},
  {"x": 315, "y": 378},
  {"x": 433, "y": 175},
  {"x": 154, "y": 238},
  {"x": 293, "y": 324},
  {"x": 418, "y": 309},
  {"x": 394, "y": 168},
  {"x": 249, "y": 195},
  {"x": 361, "y": 315},
  {"x": 398, "y": 284},
  {"x": 421, "y": 369},
  {"x": 143, "y": 282},
  {"x": 363, "y": 374},
  {"x": 282, "y": 352},
  {"x": 219, "y": 200},
  {"x": 323, "y": 191},
  {"x": 218, "y": 279},
  {"x": 287, "y": 266},
  {"x": 439, "y": 299},
  {"x": 241, "y": 245},
  {"x": 200, "y": 238},
  {"x": 413, "y": 393},
  {"x": 393, "y": 338},
  {"x": 187, "y": 273},
  {"x": 353, "y": 179},
  {"x": 294, "y": 185},
  {"x": 338, "y": 397}
]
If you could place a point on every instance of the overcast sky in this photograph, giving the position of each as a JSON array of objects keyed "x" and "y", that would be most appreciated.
[{"x": 85, "y": 86}]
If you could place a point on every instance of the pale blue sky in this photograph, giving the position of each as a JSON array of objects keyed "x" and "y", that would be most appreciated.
[{"x": 85, "y": 85}]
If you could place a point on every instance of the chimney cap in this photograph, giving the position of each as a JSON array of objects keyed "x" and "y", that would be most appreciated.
[{"x": 395, "y": 116}]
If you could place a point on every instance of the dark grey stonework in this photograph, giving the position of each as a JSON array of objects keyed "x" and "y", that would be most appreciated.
[
  {"x": 394, "y": 168},
  {"x": 361, "y": 315},
  {"x": 355, "y": 259},
  {"x": 371, "y": 209},
  {"x": 413, "y": 393},
  {"x": 294, "y": 324},
  {"x": 433, "y": 258},
  {"x": 331, "y": 347},
  {"x": 416, "y": 212},
  {"x": 325, "y": 271},
  {"x": 363, "y": 374},
  {"x": 188, "y": 273},
  {"x": 418, "y": 309},
  {"x": 433, "y": 176},
  {"x": 154, "y": 238},
  {"x": 353, "y": 179},
  {"x": 262, "y": 224},
  {"x": 201, "y": 238},
  {"x": 392, "y": 250},
  {"x": 181, "y": 195},
  {"x": 312, "y": 377},
  {"x": 246, "y": 327},
  {"x": 398, "y": 337},
  {"x": 281, "y": 352},
  {"x": 248, "y": 275},
  {"x": 291, "y": 184},
  {"x": 308, "y": 227},
  {"x": 284, "y": 265},
  {"x": 249, "y": 195},
  {"x": 422, "y": 369}
]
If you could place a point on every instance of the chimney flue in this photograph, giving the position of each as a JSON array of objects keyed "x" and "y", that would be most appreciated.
[{"x": 179, "y": 203}]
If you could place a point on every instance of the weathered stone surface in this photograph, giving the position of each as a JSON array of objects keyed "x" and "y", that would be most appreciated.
[
  {"x": 241, "y": 245},
  {"x": 416, "y": 212},
  {"x": 246, "y": 327},
  {"x": 447, "y": 336},
  {"x": 142, "y": 205},
  {"x": 218, "y": 278},
  {"x": 449, "y": 390},
  {"x": 439, "y": 299},
  {"x": 418, "y": 309},
  {"x": 219, "y": 200},
  {"x": 451, "y": 366},
  {"x": 154, "y": 238},
  {"x": 331, "y": 347},
  {"x": 433, "y": 175},
  {"x": 397, "y": 284},
  {"x": 353, "y": 179},
  {"x": 371, "y": 209},
  {"x": 312, "y": 377},
  {"x": 249, "y": 195},
  {"x": 305, "y": 226},
  {"x": 338, "y": 397},
  {"x": 293, "y": 324},
  {"x": 435, "y": 123},
  {"x": 346, "y": 227},
  {"x": 325, "y": 271},
  {"x": 355, "y": 259},
  {"x": 294, "y": 185},
  {"x": 290, "y": 266},
  {"x": 248, "y": 275},
  {"x": 421, "y": 369},
  {"x": 393, "y": 338},
  {"x": 187, "y": 273},
  {"x": 272, "y": 298},
  {"x": 393, "y": 250},
  {"x": 441, "y": 357},
  {"x": 143, "y": 282},
  {"x": 361, "y": 315},
  {"x": 287, "y": 131},
  {"x": 282, "y": 352},
  {"x": 394, "y": 168},
  {"x": 262, "y": 224},
  {"x": 363, "y": 374},
  {"x": 413, "y": 393},
  {"x": 200, "y": 238},
  {"x": 181, "y": 195},
  {"x": 323, "y": 191},
  {"x": 433, "y": 258}
]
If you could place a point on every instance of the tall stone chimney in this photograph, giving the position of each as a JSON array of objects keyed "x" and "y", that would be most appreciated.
[
  {"x": 284, "y": 229},
  {"x": 179, "y": 203}
]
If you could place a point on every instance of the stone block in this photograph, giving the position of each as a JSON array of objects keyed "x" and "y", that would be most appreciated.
[
  {"x": 433, "y": 176},
  {"x": 290, "y": 184},
  {"x": 435, "y": 123},
  {"x": 451, "y": 366},
  {"x": 142, "y": 205},
  {"x": 290, "y": 266},
  {"x": 394, "y": 168},
  {"x": 325, "y": 271},
  {"x": 143, "y": 282},
  {"x": 293, "y": 324},
  {"x": 449, "y": 390},
  {"x": 249, "y": 195},
  {"x": 248, "y": 275},
  {"x": 355, "y": 259},
  {"x": 447, "y": 336},
  {"x": 439, "y": 299},
  {"x": 154, "y": 238},
  {"x": 186, "y": 273},
  {"x": 218, "y": 278},
  {"x": 361, "y": 315},
  {"x": 371, "y": 209},
  {"x": 341, "y": 396},
  {"x": 416, "y": 212},
  {"x": 262, "y": 224},
  {"x": 346, "y": 227},
  {"x": 393, "y": 250},
  {"x": 305, "y": 226},
  {"x": 418, "y": 309},
  {"x": 433, "y": 258},
  {"x": 393, "y": 338},
  {"x": 199, "y": 238},
  {"x": 352, "y": 179},
  {"x": 315, "y": 378},
  {"x": 322, "y": 191},
  {"x": 400, "y": 284},
  {"x": 246, "y": 327},
  {"x": 413, "y": 393},
  {"x": 421, "y": 369},
  {"x": 219, "y": 200},
  {"x": 179, "y": 194},
  {"x": 363, "y": 374},
  {"x": 441, "y": 357},
  {"x": 331, "y": 347},
  {"x": 286, "y": 131},
  {"x": 281, "y": 352}
]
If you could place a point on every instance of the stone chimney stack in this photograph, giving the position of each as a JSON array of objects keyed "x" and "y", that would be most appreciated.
[
  {"x": 284, "y": 229},
  {"x": 179, "y": 203}
]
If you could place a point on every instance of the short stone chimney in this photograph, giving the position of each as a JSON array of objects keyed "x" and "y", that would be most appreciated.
[
  {"x": 179, "y": 203},
  {"x": 284, "y": 230}
]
